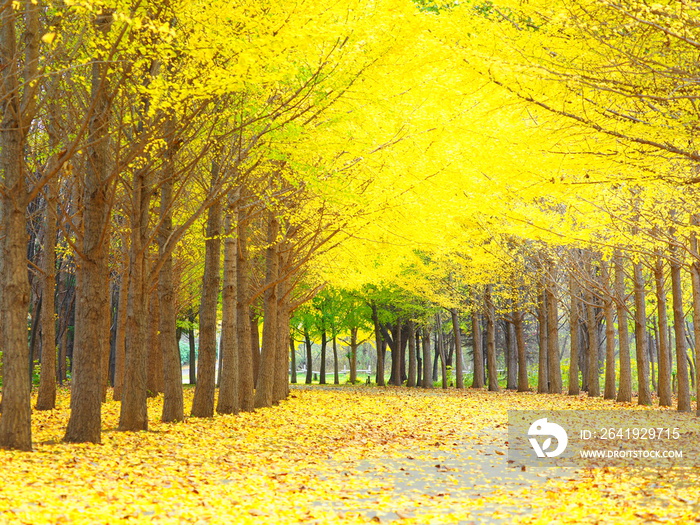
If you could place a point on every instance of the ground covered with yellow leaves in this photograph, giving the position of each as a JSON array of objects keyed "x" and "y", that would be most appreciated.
[{"x": 333, "y": 455}]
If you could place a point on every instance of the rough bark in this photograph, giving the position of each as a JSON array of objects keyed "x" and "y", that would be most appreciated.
[
  {"x": 478, "y": 349},
  {"x": 280, "y": 389},
  {"x": 542, "y": 368},
  {"x": 154, "y": 379},
  {"x": 593, "y": 380},
  {"x": 353, "y": 355},
  {"x": 309, "y": 357},
  {"x": 427, "y": 381},
  {"x": 266, "y": 373},
  {"x": 459, "y": 362},
  {"x": 412, "y": 371},
  {"x": 46, "y": 399},
  {"x": 441, "y": 349},
  {"x": 228, "y": 402},
  {"x": 193, "y": 350},
  {"x": 336, "y": 372},
  {"x": 322, "y": 368},
  {"x": 553, "y": 364},
  {"x": 608, "y": 312},
  {"x": 523, "y": 382},
  {"x": 246, "y": 379},
  {"x": 511, "y": 356},
  {"x": 120, "y": 342},
  {"x": 173, "y": 402},
  {"x": 92, "y": 272},
  {"x": 133, "y": 415},
  {"x": 293, "y": 355},
  {"x": 695, "y": 279},
  {"x": 574, "y": 324},
  {"x": 203, "y": 401},
  {"x": 664, "y": 383},
  {"x": 491, "y": 342},
  {"x": 254, "y": 336},
  {"x": 679, "y": 332},
  {"x": 380, "y": 355},
  {"x": 624, "y": 391},
  {"x": 640, "y": 320}
]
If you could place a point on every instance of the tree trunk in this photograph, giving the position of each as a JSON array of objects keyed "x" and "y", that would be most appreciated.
[
  {"x": 280, "y": 388},
  {"x": 512, "y": 357},
  {"x": 478, "y": 349},
  {"x": 542, "y": 368},
  {"x": 624, "y": 392},
  {"x": 309, "y": 357},
  {"x": 664, "y": 384},
  {"x": 154, "y": 380},
  {"x": 553, "y": 364},
  {"x": 203, "y": 401},
  {"x": 593, "y": 345},
  {"x": 695, "y": 279},
  {"x": 228, "y": 379},
  {"x": 193, "y": 350},
  {"x": 396, "y": 357},
  {"x": 459, "y": 362},
  {"x": 336, "y": 372},
  {"x": 173, "y": 403},
  {"x": 441, "y": 349},
  {"x": 293, "y": 356},
  {"x": 266, "y": 373},
  {"x": 46, "y": 399},
  {"x": 380, "y": 354},
  {"x": 412, "y": 377},
  {"x": 15, "y": 423},
  {"x": 427, "y": 375},
  {"x": 254, "y": 336},
  {"x": 134, "y": 411},
  {"x": 574, "y": 324},
  {"x": 436, "y": 358},
  {"x": 322, "y": 368},
  {"x": 640, "y": 320},
  {"x": 246, "y": 377},
  {"x": 120, "y": 342},
  {"x": 353, "y": 355},
  {"x": 419, "y": 359},
  {"x": 679, "y": 332},
  {"x": 491, "y": 342},
  {"x": 523, "y": 382},
  {"x": 92, "y": 272},
  {"x": 609, "y": 392}
]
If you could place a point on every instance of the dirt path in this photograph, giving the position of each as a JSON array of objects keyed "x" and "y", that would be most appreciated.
[{"x": 469, "y": 483}]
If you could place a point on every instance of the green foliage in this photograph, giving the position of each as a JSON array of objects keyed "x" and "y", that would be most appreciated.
[{"x": 431, "y": 6}]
